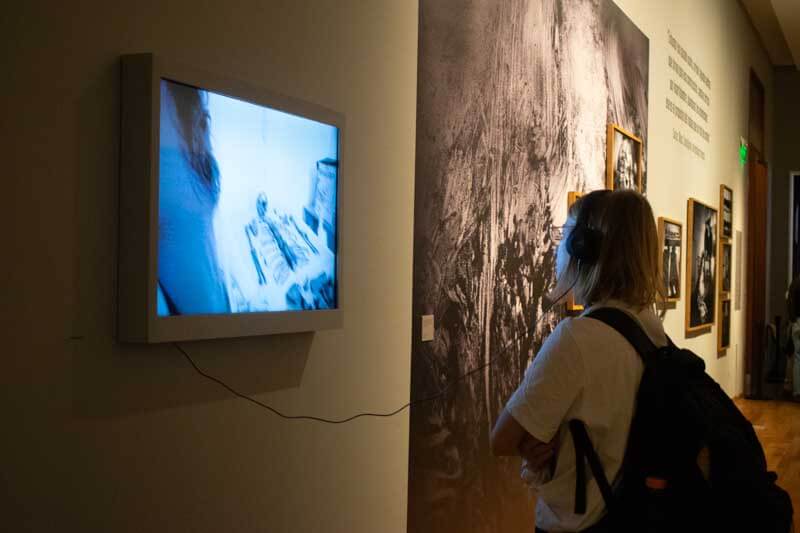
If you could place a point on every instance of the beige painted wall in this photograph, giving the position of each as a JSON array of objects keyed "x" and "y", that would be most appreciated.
[
  {"x": 102, "y": 437},
  {"x": 721, "y": 40}
]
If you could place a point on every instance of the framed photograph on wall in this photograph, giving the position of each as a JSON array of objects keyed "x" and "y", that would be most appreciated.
[
  {"x": 701, "y": 267},
  {"x": 725, "y": 268},
  {"x": 624, "y": 159},
  {"x": 726, "y": 205},
  {"x": 573, "y": 307},
  {"x": 669, "y": 256},
  {"x": 724, "y": 328}
]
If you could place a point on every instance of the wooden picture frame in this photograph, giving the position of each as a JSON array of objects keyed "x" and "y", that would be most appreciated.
[
  {"x": 571, "y": 306},
  {"x": 670, "y": 264},
  {"x": 632, "y": 163},
  {"x": 701, "y": 267},
  {"x": 726, "y": 212},
  {"x": 724, "y": 326}
]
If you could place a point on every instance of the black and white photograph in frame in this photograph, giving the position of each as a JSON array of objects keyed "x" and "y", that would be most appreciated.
[
  {"x": 726, "y": 205},
  {"x": 670, "y": 236},
  {"x": 724, "y": 335},
  {"x": 623, "y": 160},
  {"x": 725, "y": 267},
  {"x": 701, "y": 267}
]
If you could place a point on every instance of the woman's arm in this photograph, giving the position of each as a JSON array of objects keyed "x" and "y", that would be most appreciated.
[
  {"x": 507, "y": 435},
  {"x": 510, "y": 438}
]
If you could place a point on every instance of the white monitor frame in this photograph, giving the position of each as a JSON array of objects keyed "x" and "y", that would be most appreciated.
[{"x": 138, "y": 320}]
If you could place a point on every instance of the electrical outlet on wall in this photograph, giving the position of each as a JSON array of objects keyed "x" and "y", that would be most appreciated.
[{"x": 427, "y": 328}]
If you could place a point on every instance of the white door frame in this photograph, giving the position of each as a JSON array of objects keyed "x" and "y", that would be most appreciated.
[{"x": 792, "y": 175}]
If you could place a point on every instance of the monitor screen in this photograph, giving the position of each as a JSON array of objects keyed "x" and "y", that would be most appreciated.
[{"x": 247, "y": 207}]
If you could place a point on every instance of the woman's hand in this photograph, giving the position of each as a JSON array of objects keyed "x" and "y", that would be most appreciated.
[
  {"x": 509, "y": 438},
  {"x": 536, "y": 454},
  {"x": 537, "y": 461}
]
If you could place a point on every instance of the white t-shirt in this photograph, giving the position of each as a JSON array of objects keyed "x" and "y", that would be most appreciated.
[{"x": 585, "y": 370}]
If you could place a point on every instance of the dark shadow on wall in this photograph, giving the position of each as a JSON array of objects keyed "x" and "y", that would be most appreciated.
[
  {"x": 786, "y": 138},
  {"x": 111, "y": 379}
]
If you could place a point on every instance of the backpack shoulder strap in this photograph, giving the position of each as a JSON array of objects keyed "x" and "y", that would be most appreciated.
[
  {"x": 585, "y": 452},
  {"x": 627, "y": 327}
]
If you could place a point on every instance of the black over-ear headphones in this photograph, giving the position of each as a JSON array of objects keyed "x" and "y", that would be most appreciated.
[{"x": 584, "y": 242}]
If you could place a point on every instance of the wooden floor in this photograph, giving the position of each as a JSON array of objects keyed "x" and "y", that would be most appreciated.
[{"x": 777, "y": 425}]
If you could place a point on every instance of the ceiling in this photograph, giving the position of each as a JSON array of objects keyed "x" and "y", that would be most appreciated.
[
  {"x": 778, "y": 24},
  {"x": 788, "y": 13}
]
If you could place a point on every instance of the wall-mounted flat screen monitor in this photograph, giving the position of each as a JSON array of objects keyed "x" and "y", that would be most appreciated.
[{"x": 229, "y": 214}]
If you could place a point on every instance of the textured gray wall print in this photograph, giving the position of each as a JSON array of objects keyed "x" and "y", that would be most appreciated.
[{"x": 514, "y": 98}]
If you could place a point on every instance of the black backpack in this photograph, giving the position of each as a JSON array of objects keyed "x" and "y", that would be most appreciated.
[{"x": 681, "y": 412}]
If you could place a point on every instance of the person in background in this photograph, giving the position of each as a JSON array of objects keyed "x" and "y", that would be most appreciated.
[
  {"x": 793, "y": 309},
  {"x": 585, "y": 370}
]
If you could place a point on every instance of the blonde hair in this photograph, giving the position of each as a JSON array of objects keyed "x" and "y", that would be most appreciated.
[{"x": 627, "y": 267}]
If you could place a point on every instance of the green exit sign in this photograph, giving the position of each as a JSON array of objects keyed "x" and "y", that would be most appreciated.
[{"x": 742, "y": 152}]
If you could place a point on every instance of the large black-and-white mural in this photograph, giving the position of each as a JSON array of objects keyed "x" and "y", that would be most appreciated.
[{"x": 514, "y": 100}]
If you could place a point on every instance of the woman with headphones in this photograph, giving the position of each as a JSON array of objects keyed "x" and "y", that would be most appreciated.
[{"x": 585, "y": 370}]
